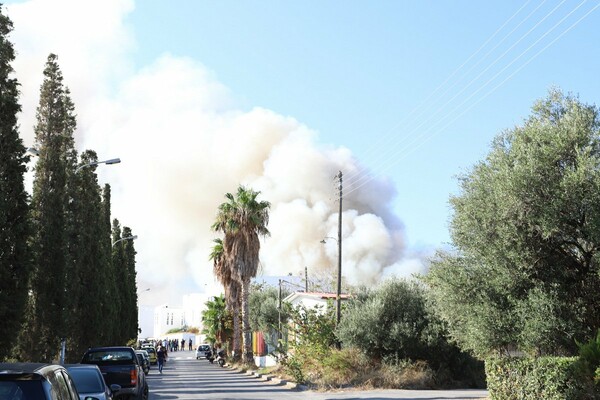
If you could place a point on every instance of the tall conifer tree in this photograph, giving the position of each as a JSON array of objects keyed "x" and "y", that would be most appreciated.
[
  {"x": 123, "y": 264},
  {"x": 45, "y": 319},
  {"x": 14, "y": 228},
  {"x": 131, "y": 308},
  {"x": 85, "y": 262},
  {"x": 107, "y": 275},
  {"x": 120, "y": 275}
]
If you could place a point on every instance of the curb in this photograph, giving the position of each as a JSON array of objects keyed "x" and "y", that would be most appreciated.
[{"x": 274, "y": 379}]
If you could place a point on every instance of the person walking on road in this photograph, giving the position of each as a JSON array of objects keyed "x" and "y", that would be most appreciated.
[{"x": 161, "y": 356}]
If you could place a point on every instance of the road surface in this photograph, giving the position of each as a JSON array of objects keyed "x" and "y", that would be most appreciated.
[{"x": 186, "y": 378}]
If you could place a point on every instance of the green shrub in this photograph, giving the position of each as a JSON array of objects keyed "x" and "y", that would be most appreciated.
[
  {"x": 548, "y": 378},
  {"x": 589, "y": 358},
  {"x": 396, "y": 322}
]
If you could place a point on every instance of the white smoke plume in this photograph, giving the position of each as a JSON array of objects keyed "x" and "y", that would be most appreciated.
[{"x": 184, "y": 144}]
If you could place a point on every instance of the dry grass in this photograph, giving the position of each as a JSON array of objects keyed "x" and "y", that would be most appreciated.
[{"x": 350, "y": 368}]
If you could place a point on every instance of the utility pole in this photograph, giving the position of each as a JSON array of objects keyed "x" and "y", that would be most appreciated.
[
  {"x": 279, "y": 335},
  {"x": 339, "y": 277},
  {"x": 306, "y": 279}
]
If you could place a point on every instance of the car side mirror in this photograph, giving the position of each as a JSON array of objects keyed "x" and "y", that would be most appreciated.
[{"x": 114, "y": 388}]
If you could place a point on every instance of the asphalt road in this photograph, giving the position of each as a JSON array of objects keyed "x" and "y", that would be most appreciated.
[{"x": 186, "y": 378}]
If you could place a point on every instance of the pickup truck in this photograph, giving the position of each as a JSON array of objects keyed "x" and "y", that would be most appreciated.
[{"x": 119, "y": 365}]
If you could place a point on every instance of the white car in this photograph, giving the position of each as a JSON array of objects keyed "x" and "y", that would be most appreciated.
[{"x": 201, "y": 350}]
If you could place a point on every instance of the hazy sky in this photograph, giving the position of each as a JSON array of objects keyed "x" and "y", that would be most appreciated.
[{"x": 196, "y": 97}]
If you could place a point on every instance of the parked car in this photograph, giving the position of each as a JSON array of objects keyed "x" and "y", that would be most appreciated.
[
  {"x": 90, "y": 383},
  {"x": 36, "y": 381},
  {"x": 144, "y": 360},
  {"x": 201, "y": 350},
  {"x": 119, "y": 365},
  {"x": 151, "y": 355}
]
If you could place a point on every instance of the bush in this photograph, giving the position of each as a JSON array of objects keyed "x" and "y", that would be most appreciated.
[
  {"x": 396, "y": 322},
  {"x": 589, "y": 358},
  {"x": 548, "y": 378}
]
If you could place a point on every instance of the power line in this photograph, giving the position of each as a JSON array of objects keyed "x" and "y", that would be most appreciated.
[
  {"x": 428, "y": 137},
  {"x": 390, "y": 151},
  {"x": 374, "y": 146}
]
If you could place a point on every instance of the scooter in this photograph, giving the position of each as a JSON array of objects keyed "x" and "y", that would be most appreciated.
[
  {"x": 210, "y": 357},
  {"x": 221, "y": 358}
]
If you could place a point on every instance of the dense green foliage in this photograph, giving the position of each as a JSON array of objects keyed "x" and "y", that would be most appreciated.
[
  {"x": 45, "y": 322},
  {"x": 525, "y": 273},
  {"x": 216, "y": 321},
  {"x": 548, "y": 378},
  {"x": 129, "y": 316},
  {"x": 265, "y": 313},
  {"x": 391, "y": 321},
  {"x": 311, "y": 340},
  {"x": 589, "y": 359},
  {"x": 108, "y": 303},
  {"x": 59, "y": 278},
  {"x": 85, "y": 259},
  {"x": 394, "y": 322},
  {"x": 123, "y": 264},
  {"x": 14, "y": 224}
]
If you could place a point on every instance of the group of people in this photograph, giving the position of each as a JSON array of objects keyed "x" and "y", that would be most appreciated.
[
  {"x": 164, "y": 346},
  {"x": 169, "y": 344},
  {"x": 176, "y": 345}
]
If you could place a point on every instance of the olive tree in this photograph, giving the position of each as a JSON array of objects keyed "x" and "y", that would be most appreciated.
[{"x": 524, "y": 272}]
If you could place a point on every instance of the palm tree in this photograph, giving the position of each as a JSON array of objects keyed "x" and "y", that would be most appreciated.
[
  {"x": 242, "y": 219},
  {"x": 222, "y": 270},
  {"x": 216, "y": 320}
]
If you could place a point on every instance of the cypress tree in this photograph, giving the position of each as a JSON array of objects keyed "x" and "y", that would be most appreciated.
[
  {"x": 131, "y": 307},
  {"x": 108, "y": 307},
  {"x": 84, "y": 291},
  {"x": 120, "y": 276},
  {"x": 14, "y": 225},
  {"x": 45, "y": 317}
]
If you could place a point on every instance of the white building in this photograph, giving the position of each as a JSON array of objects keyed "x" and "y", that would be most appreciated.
[
  {"x": 155, "y": 321},
  {"x": 167, "y": 318},
  {"x": 312, "y": 299}
]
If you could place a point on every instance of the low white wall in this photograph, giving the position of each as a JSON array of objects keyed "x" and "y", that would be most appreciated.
[{"x": 265, "y": 361}]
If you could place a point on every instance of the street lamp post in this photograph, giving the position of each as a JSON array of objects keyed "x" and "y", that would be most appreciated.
[
  {"x": 125, "y": 238},
  {"x": 33, "y": 151},
  {"x": 107, "y": 162}
]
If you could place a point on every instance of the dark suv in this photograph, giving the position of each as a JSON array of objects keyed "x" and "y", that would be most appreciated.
[{"x": 30, "y": 381}]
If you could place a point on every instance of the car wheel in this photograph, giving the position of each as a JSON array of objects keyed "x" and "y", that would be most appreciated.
[{"x": 145, "y": 393}]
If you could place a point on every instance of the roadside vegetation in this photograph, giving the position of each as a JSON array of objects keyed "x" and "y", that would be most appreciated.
[
  {"x": 67, "y": 265},
  {"x": 387, "y": 338},
  {"x": 513, "y": 302}
]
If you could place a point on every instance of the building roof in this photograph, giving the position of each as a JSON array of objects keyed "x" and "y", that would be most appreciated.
[{"x": 315, "y": 295}]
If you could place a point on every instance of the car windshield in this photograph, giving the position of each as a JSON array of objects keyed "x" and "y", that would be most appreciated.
[
  {"x": 21, "y": 390},
  {"x": 203, "y": 348},
  {"x": 87, "y": 380},
  {"x": 109, "y": 357}
]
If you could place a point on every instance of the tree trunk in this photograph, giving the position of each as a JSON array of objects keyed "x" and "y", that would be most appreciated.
[
  {"x": 237, "y": 334},
  {"x": 248, "y": 355}
]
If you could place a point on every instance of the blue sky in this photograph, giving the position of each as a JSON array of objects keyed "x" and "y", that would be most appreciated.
[
  {"x": 354, "y": 70},
  {"x": 197, "y": 96}
]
